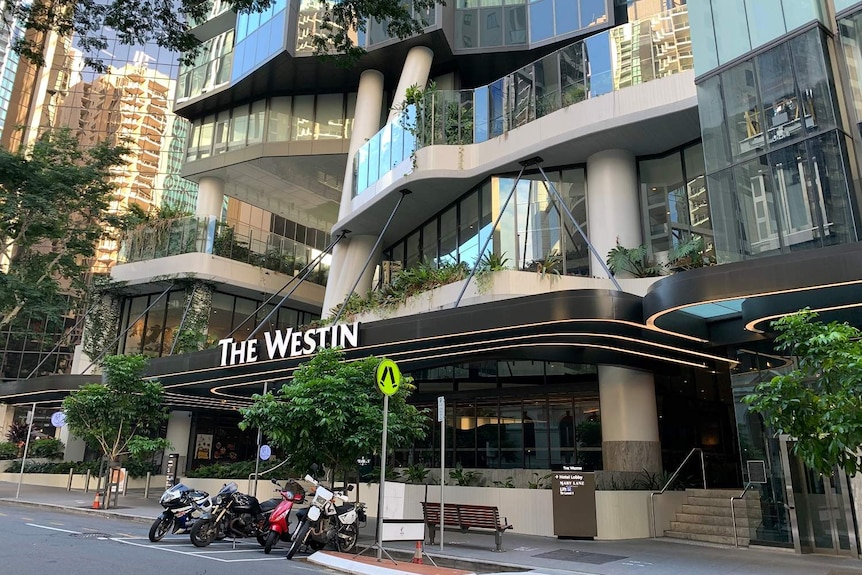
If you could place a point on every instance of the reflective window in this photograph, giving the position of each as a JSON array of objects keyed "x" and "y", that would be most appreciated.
[
  {"x": 799, "y": 12},
  {"x": 448, "y": 236},
  {"x": 844, "y": 4},
  {"x": 412, "y": 252},
  {"x": 593, "y": 12},
  {"x": 764, "y": 17},
  {"x": 303, "y": 118},
  {"x": 731, "y": 29},
  {"x": 703, "y": 37},
  {"x": 781, "y": 106},
  {"x": 566, "y": 17},
  {"x": 818, "y": 109},
  {"x": 468, "y": 229},
  {"x": 743, "y": 110},
  {"x": 329, "y": 117},
  {"x": 712, "y": 125},
  {"x": 429, "y": 241},
  {"x": 541, "y": 20},
  {"x": 466, "y": 29},
  {"x": 221, "y": 132},
  {"x": 757, "y": 205},
  {"x": 663, "y": 198},
  {"x": 238, "y": 127},
  {"x": 278, "y": 125},
  {"x": 255, "y": 122},
  {"x": 491, "y": 33},
  {"x": 516, "y": 25}
]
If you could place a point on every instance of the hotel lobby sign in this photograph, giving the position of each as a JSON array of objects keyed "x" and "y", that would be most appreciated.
[{"x": 287, "y": 343}]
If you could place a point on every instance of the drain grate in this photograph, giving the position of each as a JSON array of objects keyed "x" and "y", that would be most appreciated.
[
  {"x": 580, "y": 556},
  {"x": 91, "y": 535}
]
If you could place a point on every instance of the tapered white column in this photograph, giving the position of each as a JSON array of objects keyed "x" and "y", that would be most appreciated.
[
  {"x": 417, "y": 67},
  {"x": 613, "y": 210},
  {"x": 178, "y": 434},
  {"x": 630, "y": 440},
  {"x": 210, "y": 197}
]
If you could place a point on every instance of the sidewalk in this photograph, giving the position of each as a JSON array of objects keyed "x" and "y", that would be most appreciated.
[{"x": 473, "y": 552}]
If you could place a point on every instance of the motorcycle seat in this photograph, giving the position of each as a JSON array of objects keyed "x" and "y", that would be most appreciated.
[{"x": 269, "y": 504}]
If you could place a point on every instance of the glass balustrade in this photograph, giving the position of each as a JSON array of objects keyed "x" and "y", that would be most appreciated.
[
  {"x": 241, "y": 243},
  {"x": 630, "y": 54}
]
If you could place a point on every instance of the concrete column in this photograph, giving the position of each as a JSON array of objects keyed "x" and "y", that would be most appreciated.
[
  {"x": 353, "y": 257},
  {"x": 179, "y": 433},
  {"x": 629, "y": 420},
  {"x": 75, "y": 447},
  {"x": 613, "y": 209},
  {"x": 417, "y": 67},
  {"x": 210, "y": 197},
  {"x": 7, "y": 416}
]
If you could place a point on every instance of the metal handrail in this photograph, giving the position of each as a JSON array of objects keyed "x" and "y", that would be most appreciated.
[
  {"x": 673, "y": 477},
  {"x": 258, "y": 475},
  {"x": 733, "y": 512}
]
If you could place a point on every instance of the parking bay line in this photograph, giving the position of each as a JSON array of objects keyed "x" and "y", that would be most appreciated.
[
  {"x": 53, "y": 528},
  {"x": 202, "y": 555}
]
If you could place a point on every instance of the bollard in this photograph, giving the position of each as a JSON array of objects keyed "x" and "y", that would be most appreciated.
[
  {"x": 69, "y": 485},
  {"x": 125, "y": 484},
  {"x": 147, "y": 485},
  {"x": 87, "y": 482}
]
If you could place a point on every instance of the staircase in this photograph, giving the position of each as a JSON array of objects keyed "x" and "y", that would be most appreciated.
[{"x": 706, "y": 516}]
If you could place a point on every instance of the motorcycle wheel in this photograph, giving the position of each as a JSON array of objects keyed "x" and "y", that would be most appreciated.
[
  {"x": 203, "y": 533},
  {"x": 160, "y": 528},
  {"x": 298, "y": 539},
  {"x": 271, "y": 539},
  {"x": 346, "y": 540}
]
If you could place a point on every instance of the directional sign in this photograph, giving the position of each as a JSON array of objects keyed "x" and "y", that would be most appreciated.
[{"x": 388, "y": 377}]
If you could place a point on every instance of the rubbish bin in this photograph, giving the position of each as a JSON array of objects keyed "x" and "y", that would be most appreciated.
[{"x": 574, "y": 500}]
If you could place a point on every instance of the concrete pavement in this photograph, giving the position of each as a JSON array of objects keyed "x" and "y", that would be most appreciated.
[{"x": 473, "y": 551}]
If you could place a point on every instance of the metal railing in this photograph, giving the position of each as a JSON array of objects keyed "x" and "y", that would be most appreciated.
[
  {"x": 733, "y": 512},
  {"x": 672, "y": 479},
  {"x": 257, "y": 476}
]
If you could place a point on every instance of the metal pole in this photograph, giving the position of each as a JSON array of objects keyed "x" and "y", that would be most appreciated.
[
  {"x": 404, "y": 194},
  {"x": 382, "y": 479},
  {"x": 491, "y": 235},
  {"x": 69, "y": 484},
  {"x": 565, "y": 208},
  {"x": 257, "y": 457},
  {"x": 26, "y": 447},
  {"x": 87, "y": 482},
  {"x": 147, "y": 485},
  {"x": 182, "y": 321},
  {"x": 442, "y": 472}
]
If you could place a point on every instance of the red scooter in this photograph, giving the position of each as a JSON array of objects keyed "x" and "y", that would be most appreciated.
[{"x": 279, "y": 520}]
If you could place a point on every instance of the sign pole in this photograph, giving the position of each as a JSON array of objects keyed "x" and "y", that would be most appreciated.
[
  {"x": 30, "y": 417},
  {"x": 259, "y": 439},
  {"x": 441, "y": 417},
  {"x": 382, "y": 481}
]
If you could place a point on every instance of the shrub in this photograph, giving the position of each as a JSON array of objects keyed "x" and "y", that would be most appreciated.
[
  {"x": 47, "y": 448},
  {"x": 8, "y": 450},
  {"x": 237, "y": 470},
  {"x": 58, "y": 467}
]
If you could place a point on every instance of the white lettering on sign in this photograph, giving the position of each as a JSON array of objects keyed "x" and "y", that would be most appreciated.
[{"x": 289, "y": 343}]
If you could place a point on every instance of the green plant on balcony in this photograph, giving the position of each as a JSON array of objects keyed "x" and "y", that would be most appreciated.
[
  {"x": 690, "y": 254},
  {"x": 227, "y": 245},
  {"x": 574, "y": 94},
  {"x": 633, "y": 261}
]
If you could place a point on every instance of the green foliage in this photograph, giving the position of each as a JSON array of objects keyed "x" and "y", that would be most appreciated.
[
  {"x": 633, "y": 261},
  {"x": 47, "y": 448},
  {"x": 78, "y": 467},
  {"x": 404, "y": 284},
  {"x": 494, "y": 262},
  {"x": 466, "y": 478},
  {"x": 589, "y": 433},
  {"x": 17, "y": 432},
  {"x": 54, "y": 208},
  {"x": 237, "y": 469},
  {"x": 540, "y": 481},
  {"x": 819, "y": 403},
  {"x": 437, "y": 117},
  {"x": 8, "y": 450},
  {"x": 508, "y": 483},
  {"x": 690, "y": 254},
  {"x": 169, "y": 24},
  {"x": 119, "y": 416},
  {"x": 416, "y": 473},
  {"x": 331, "y": 413}
]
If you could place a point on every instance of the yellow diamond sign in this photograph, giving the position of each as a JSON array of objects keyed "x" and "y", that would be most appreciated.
[{"x": 388, "y": 377}]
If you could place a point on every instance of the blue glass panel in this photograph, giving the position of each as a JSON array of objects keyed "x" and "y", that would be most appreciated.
[
  {"x": 361, "y": 170},
  {"x": 763, "y": 23},
  {"x": 409, "y": 138},
  {"x": 497, "y": 110},
  {"x": 397, "y": 145},
  {"x": 241, "y": 27},
  {"x": 385, "y": 152},
  {"x": 491, "y": 22},
  {"x": 482, "y": 125},
  {"x": 566, "y": 16},
  {"x": 598, "y": 54},
  {"x": 843, "y": 4},
  {"x": 593, "y": 12},
  {"x": 541, "y": 20},
  {"x": 799, "y": 12},
  {"x": 731, "y": 29},
  {"x": 702, "y": 37},
  {"x": 374, "y": 159}
]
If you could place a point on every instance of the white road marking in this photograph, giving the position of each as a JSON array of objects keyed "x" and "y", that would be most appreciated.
[
  {"x": 198, "y": 554},
  {"x": 54, "y": 529}
]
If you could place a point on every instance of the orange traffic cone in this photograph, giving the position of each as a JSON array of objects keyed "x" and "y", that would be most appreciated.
[
  {"x": 96, "y": 503},
  {"x": 417, "y": 555}
]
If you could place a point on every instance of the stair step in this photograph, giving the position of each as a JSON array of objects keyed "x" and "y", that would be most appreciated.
[
  {"x": 722, "y": 493},
  {"x": 721, "y": 539},
  {"x": 704, "y": 529},
  {"x": 716, "y": 511},
  {"x": 721, "y": 502},
  {"x": 742, "y": 521}
]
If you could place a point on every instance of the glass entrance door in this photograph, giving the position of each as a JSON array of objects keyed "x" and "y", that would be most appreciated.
[{"x": 820, "y": 507}]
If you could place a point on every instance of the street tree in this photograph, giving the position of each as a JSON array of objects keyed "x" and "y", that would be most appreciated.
[
  {"x": 54, "y": 207},
  {"x": 166, "y": 22},
  {"x": 819, "y": 402},
  {"x": 331, "y": 413},
  {"x": 122, "y": 415}
]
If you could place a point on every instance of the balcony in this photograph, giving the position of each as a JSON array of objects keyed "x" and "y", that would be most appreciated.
[
  {"x": 253, "y": 246},
  {"x": 582, "y": 70}
]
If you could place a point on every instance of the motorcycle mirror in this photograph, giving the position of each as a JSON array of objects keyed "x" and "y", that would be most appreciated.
[
  {"x": 274, "y": 480},
  {"x": 350, "y": 488}
]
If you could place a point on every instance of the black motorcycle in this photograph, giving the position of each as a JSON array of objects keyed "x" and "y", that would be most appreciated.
[
  {"x": 236, "y": 515},
  {"x": 183, "y": 506}
]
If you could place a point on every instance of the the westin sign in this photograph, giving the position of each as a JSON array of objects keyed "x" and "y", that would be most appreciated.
[{"x": 288, "y": 343}]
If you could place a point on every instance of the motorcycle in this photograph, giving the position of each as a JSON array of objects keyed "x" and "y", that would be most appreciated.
[
  {"x": 279, "y": 519},
  {"x": 330, "y": 518},
  {"x": 236, "y": 515},
  {"x": 183, "y": 506}
]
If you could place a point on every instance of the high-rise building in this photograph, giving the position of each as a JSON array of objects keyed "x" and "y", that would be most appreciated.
[{"x": 709, "y": 151}]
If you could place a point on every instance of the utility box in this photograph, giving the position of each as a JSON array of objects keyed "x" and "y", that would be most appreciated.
[{"x": 574, "y": 500}]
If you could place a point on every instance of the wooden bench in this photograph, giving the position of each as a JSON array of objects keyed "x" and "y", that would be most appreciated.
[{"x": 463, "y": 517}]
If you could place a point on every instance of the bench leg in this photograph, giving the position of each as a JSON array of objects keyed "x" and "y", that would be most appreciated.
[
  {"x": 498, "y": 539},
  {"x": 432, "y": 529}
]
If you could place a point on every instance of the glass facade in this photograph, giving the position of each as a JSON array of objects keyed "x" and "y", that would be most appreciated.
[
  {"x": 585, "y": 69},
  {"x": 674, "y": 200},
  {"x": 532, "y": 231},
  {"x": 210, "y": 70},
  {"x": 777, "y": 165},
  {"x": 723, "y": 30},
  {"x": 259, "y": 37},
  {"x": 152, "y": 334}
]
